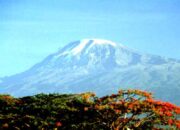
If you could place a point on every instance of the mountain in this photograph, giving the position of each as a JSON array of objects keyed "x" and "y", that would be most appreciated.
[{"x": 101, "y": 66}]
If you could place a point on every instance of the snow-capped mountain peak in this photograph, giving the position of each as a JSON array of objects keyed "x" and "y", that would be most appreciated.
[
  {"x": 94, "y": 52},
  {"x": 100, "y": 42},
  {"x": 97, "y": 65},
  {"x": 92, "y": 42},
  {"x": 77, "y": 47},
  {"x": 85, "y": 45}
]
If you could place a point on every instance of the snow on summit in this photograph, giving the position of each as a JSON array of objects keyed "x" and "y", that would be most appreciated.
[
  {"x": 101, "y": 42},
  {"x": 80, "y": 47},
  {"x": 84, "y": 42}
]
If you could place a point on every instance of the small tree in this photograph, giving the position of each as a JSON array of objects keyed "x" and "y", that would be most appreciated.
[{"x": 134, "y": 109}]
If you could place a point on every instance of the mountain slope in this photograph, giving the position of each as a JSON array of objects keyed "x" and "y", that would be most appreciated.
[{"x": 101, "y": 66}]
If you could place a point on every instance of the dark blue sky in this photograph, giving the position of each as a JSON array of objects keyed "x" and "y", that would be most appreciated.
[{"x": 32, "y": 29}]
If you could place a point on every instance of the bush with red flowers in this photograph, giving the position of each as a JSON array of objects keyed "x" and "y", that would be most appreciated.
[{"x": 128, "y": 109}]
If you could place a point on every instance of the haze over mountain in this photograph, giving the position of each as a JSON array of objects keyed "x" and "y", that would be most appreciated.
[{"x": 101, "y": 66}]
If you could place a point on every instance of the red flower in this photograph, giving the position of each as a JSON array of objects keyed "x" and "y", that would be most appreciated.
[
  {"x": 168, "y": 114},
  {"x": 58, "y": 124},
  {"x": 177, "y": 111},
  {"x": 117, "y": 111},
  {"x": 131, "y": 106},
  {"x": 178, "y": 125},
  {"x": 170, "y": 121}
]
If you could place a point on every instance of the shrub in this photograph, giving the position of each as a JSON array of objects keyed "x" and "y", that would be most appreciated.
[{"x": 128, "y": 109}]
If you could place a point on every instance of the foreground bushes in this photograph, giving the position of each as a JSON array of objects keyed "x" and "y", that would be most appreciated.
[{"x": 128, "y": 109}]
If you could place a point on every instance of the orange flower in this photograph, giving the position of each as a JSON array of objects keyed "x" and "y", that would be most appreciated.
[
  {"x": 58, "y": 124},
  {"x": 85, "y": 108},
  {"x": 131, "y": 106},
  {"x": 168, "y": 113},
  {"x": 177, "y": 111},
  {"x": 117, "y": 111},
  {"x": 170, "y": 121},
  {"x": 5, "y": 125},
  {"x": 178, "y": 125}
]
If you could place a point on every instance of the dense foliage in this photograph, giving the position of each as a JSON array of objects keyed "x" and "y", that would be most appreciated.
[{"x": 128, "y": 109}]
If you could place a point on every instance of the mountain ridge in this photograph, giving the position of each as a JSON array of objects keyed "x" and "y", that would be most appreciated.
[{"x": 101, "y": 66}]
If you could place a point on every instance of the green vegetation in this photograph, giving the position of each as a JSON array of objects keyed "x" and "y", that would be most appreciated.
[{"x": 128, "y": 109}]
